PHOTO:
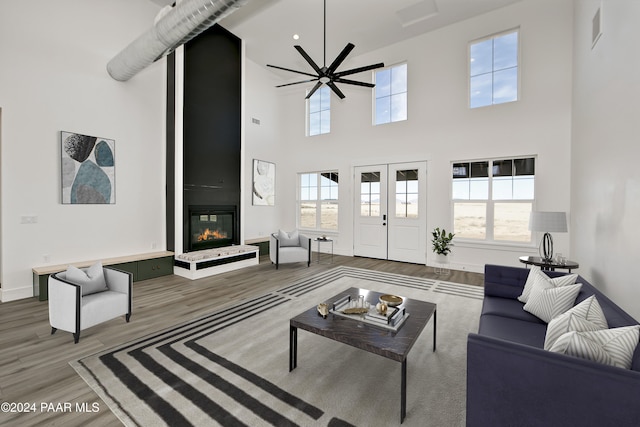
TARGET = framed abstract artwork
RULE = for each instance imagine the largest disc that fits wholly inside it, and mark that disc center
(88, 169)
(264, 183)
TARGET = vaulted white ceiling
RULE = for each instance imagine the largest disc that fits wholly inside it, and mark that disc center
(268, 26)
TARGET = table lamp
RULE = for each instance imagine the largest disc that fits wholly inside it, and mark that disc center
(547, 222)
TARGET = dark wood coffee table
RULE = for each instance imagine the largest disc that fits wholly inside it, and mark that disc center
(371, 338)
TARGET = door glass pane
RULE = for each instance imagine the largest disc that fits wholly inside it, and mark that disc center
(470, 220)
(407, 193)
(511, 222)
(370, 194)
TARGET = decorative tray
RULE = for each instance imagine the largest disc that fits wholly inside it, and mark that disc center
(392, 320)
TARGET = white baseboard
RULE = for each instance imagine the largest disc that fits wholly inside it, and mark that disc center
(7, 295)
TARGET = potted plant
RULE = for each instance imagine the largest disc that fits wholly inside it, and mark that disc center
(441, 244)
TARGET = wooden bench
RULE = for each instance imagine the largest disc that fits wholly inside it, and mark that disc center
(261, 242)
(142, 266)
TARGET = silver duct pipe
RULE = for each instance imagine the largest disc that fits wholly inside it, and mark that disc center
(173, 27)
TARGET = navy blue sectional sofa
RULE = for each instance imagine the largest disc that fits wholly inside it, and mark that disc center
(513, 381)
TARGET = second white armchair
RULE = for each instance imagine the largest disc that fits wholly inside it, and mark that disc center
(289, 247)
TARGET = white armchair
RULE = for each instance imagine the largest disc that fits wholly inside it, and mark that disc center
(76, 304)
(289, 247)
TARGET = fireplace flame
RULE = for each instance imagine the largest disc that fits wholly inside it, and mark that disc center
(211, 235)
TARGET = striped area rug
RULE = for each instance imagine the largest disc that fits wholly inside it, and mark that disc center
(230, 367)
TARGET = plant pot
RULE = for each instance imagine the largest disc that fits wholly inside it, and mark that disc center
(442, 259)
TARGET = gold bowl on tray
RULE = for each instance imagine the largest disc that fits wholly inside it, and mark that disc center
(391, 300)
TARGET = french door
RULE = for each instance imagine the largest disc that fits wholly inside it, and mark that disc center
(390, 214)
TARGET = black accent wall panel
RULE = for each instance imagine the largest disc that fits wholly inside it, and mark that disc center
(212, 122)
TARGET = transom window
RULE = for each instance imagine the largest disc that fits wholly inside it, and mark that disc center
(391, 94)
(492, 199)
(319, 108)
(493, 70)
(318, 206)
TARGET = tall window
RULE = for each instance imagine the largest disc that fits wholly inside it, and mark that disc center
(318, 208)
(492, 199)
(391, 94)
(493, 70)
(319, 108)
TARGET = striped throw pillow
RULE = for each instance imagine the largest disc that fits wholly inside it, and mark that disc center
(537, 274)
(548, 300)
(613, 347)
(586, 316)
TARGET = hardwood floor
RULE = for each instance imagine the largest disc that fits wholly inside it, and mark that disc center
(34, 365)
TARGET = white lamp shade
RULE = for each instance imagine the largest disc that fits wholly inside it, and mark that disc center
(548, 221)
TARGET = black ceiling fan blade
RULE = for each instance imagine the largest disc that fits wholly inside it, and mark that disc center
(340, 58)
(313, 90)
(293, 71)
(353, 82)
(359, 70)
(308, 59)
(335, 89)
(297, 83)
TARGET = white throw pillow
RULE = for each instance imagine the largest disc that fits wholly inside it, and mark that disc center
(548, 300)
(526, 291)
(288, 239)
(586, 316)
(90, 279)
(566, 322)
(568, 279)
(613, 347)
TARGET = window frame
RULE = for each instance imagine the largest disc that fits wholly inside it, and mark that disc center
(490, 201)
(391, 95)
(493, 71)
(319, 201)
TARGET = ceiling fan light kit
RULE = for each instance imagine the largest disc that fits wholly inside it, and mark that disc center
(328, 75)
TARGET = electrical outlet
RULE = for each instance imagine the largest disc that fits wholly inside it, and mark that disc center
(154, 245)
(46, 257)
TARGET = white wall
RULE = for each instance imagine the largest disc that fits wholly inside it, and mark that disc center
(262, 141)
(441, 128)
(53, 77)
(605, 149)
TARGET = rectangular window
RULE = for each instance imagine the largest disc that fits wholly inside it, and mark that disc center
(370, 194)
(493, 70)
(319, 108)
(492, 199)
(318, 206)
(390, 94)
(407, 193)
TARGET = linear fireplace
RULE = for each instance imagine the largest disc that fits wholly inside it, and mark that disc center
(212, 227)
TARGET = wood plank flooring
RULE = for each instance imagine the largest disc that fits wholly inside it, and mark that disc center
(34, 365)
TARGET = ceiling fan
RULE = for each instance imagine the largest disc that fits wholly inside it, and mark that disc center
(328, 75)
